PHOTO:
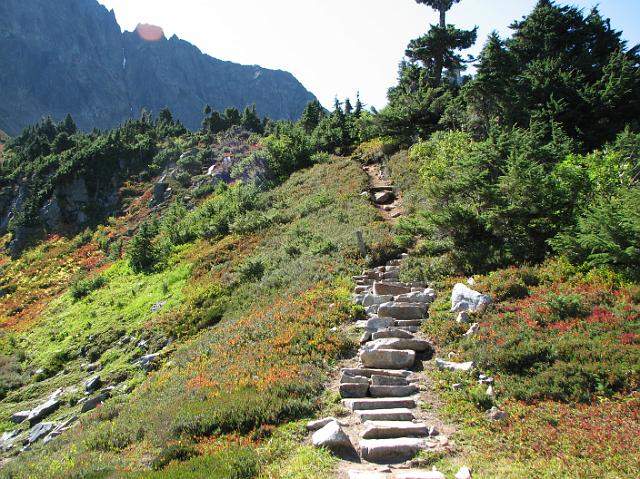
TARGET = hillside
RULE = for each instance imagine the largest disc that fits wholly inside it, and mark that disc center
(71, 57)
(447, 288)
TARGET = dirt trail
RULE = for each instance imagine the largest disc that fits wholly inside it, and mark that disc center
(379, 183)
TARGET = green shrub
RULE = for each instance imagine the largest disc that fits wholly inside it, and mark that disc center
(174, 452)
(83, 287)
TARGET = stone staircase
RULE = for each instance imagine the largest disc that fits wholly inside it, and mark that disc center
(387, 428)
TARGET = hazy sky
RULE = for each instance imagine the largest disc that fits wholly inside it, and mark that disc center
(334, 47)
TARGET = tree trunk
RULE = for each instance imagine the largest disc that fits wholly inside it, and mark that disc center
(443, 17)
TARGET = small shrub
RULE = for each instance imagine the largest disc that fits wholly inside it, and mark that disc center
(83, 287)
(175, 452)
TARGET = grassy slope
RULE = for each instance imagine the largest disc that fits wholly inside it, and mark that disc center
(564, 348)
(227, 388)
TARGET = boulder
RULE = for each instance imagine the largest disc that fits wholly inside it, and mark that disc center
(383, 197)
(36, 415)
(495, 414)
(463, 473)
(366, 336)
(451, 366)
(464, 298)
(60, 428)
(390, 289)
(94, 402)
(333, 438)
(20, 416)
(374, 323)
(416, 297)
(475, 327)
(388, 358)
(93, 384)
(371, 299)
(8, 439)
(392, 333)
(148, 362)
(399, 343)
(320, 423)
(402, 311)
(39, 431)
(463, 317)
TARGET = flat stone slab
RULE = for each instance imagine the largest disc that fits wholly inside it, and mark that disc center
(410, 329)
(395, 414)
(426, 296)
(376, 323)
(419, 345)
(393, 391)
(420, 474)
(378, 403)
(404, 323)
(354, 390)
(390, 450)
(396, 310)
(368, 372)
(451, 366)
(389, 288)
(392, 333)
(371, 299)
(388, 358)
(355, 379)
(42, 411)
(394, 429)
(366, 475)
(377, 380)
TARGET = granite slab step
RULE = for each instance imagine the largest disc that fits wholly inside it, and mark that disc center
(378, 403)
(394, 429)
(388, 451)
(394, 414)
(393, 391)
(368, 372)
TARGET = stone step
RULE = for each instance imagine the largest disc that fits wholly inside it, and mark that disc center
(419, 345)
(354, 390)
(420, 474)
(396, 414)
(375, 323)
(392, 391)
(368, 372)
(387, 451)
(378, 380)
(402, 311)
(403, 323)
(392, 333)
(394, 429)
(388, 358)
(361, 289)
(378, 403)
(410, 329)
(366, 475)
(353, 379)
(394, 262)
(390, 288)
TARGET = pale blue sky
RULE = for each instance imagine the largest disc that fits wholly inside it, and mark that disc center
(334, 47)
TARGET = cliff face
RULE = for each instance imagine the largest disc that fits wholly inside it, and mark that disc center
(69, 56)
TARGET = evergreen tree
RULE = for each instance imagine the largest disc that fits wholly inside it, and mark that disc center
(250, 120)
(348, 108)
(232, 117)
(68, 125)
(437, 49)
(141, 251)
(311, 116)
(359, 106)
